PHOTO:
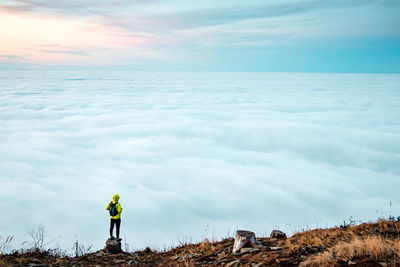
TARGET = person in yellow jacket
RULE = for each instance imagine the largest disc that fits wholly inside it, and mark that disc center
(114, 207)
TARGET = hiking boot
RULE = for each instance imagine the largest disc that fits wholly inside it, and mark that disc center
(119, 239)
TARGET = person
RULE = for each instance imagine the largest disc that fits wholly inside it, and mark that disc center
(116, 219)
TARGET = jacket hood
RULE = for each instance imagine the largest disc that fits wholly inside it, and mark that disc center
(115, 198)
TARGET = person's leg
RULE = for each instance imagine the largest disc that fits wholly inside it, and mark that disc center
(111, 227)
(118, 222)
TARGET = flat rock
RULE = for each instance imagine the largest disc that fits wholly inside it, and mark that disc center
(245, 250)
(249, 250)
(275, 248)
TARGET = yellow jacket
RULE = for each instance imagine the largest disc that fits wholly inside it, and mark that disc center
(119, 209)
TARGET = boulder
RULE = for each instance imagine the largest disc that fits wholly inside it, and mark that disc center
(244, 239)
(278, 234)
(113, 246)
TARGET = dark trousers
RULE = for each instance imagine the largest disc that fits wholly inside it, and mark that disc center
(118, 223)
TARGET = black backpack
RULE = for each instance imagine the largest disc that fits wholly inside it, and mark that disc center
(113, 209)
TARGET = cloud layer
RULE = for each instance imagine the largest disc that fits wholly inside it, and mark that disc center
(195, 155)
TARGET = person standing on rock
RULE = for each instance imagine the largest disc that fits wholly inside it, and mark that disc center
(115, 213)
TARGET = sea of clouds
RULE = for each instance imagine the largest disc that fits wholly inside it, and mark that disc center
(194, 155)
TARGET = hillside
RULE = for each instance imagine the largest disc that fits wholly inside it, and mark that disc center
(367, 244)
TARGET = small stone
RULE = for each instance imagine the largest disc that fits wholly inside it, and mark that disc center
(119, 261)
(255, 264)
(383, 263)
(245, 250)
(263, 256)
(249, 250)
(313, 249)
(131, 262)
(351, 263)
(275, 248)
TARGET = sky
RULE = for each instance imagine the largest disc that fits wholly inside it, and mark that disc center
(195, 155)
(253, 35)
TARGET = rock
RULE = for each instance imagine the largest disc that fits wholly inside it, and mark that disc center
(313, 249)
(255, 264)
(233, 263)
(351, 263)
(383, 264)
(277, 234)
(249, 250)
(245, 250)
(243, 239)
(113, 246)
(275, 248)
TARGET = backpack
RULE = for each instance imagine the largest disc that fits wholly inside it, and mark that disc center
(113, 209)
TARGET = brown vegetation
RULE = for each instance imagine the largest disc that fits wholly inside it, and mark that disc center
(367, 244)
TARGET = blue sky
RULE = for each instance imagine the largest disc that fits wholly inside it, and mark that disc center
(303, 36)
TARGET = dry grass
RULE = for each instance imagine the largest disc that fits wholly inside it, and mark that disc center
(204, 246)
(372, 246)
(333, 236)
(319, 238)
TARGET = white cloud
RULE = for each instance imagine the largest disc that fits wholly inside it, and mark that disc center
(187, 150)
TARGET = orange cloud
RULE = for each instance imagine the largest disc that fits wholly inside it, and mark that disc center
(47, 39)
